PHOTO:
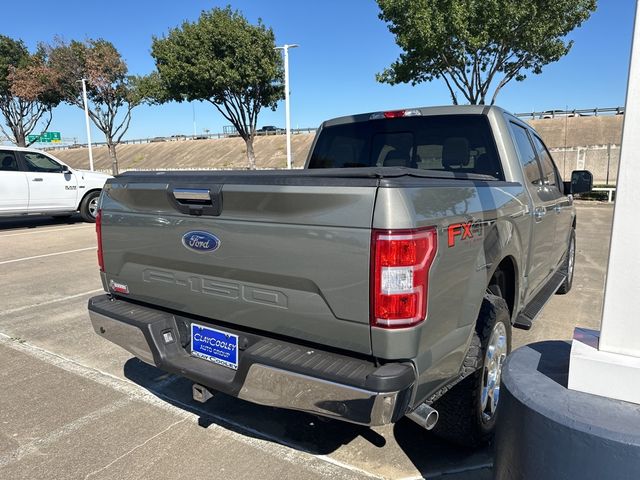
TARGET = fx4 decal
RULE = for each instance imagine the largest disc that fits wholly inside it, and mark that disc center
(463, 231)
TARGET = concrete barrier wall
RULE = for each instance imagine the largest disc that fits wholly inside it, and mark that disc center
(579, 131)
(584, 143)
(601, 160)
(215, 153)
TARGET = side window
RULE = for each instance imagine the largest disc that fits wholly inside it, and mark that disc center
(527, 154)
(37, 162)
(8, 161)
(549, 175)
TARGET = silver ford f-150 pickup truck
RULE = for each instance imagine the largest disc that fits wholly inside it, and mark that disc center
(382, 280)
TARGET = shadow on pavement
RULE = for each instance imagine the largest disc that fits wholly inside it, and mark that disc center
(295, 429)
(430, 456)
(434, 457)
(35, 221)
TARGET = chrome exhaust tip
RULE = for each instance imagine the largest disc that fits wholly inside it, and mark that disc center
(425, 416)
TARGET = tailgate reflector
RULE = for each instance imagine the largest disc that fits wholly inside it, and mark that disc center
(99, 235)
(400, 263)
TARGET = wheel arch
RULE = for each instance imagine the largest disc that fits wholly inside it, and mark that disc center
(88, 192)
(505, 275)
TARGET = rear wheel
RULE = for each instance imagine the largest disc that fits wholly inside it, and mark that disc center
(469, 410)
(89, 207)
(568, 265)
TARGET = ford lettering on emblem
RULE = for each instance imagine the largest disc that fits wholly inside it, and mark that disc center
(201, 242)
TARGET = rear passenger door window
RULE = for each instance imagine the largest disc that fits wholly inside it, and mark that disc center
(8, 161)
(549, 171)
(527, 155)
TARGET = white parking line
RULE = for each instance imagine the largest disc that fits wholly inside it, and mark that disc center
(57, 300)
(47, 255)
(45, 230)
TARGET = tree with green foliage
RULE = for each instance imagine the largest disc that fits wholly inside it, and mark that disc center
(474, 44)
(28, 91)
(112, 94)
(223, 59)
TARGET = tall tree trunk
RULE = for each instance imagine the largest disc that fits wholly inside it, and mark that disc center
(21, 139)
(251, 158)
(114, 157)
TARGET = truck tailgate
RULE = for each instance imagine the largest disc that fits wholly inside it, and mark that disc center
(293, 255)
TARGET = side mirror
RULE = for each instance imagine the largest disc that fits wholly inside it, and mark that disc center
(581, 182)
(65, 169)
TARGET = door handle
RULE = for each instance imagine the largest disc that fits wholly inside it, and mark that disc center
(557, 208)
(37, 179)
(538, 213)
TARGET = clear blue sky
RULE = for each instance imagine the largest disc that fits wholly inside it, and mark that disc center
(342, 45)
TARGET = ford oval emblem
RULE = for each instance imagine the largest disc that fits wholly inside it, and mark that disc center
(201, 242)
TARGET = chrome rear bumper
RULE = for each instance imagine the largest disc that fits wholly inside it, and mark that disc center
(278, 388)
(255, 382)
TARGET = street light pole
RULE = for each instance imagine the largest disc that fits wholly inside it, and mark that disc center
(286, 48)
(195, 130)
(86, 118)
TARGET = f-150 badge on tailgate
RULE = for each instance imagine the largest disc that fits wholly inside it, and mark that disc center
(201, 242)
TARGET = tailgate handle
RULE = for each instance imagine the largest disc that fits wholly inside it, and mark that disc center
(197, 201)
(192, 195)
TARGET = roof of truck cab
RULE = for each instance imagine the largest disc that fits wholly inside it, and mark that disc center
(425, 111)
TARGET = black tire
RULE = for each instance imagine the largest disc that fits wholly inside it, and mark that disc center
(568, 265)
(463, 420)
(88, 207)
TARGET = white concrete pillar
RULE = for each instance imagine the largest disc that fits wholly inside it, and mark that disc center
(607, 363)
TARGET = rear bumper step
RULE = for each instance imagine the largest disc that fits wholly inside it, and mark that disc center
(270, 372)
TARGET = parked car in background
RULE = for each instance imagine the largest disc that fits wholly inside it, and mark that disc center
(269, 130)
(559, 114)
(36, 182)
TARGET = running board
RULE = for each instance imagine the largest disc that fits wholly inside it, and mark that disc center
(535, 306)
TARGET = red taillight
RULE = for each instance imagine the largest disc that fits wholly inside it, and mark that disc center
(400, 263)
(99, 235)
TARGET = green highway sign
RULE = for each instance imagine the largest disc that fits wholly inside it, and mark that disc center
(46, 137)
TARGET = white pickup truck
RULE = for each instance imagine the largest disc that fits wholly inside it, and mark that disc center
(35, 182)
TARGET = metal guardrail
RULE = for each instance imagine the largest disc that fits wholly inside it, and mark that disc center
(193, 169)
(610, 191)
(589, 112)
(179, 138)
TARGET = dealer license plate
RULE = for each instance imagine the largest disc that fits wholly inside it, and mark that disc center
(214, 345)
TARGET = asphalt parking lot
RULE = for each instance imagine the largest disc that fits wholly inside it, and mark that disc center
(75, 406)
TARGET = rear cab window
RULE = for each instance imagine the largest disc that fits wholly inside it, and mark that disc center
(456, 143)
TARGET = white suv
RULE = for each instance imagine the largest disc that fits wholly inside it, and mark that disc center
(35, 182)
